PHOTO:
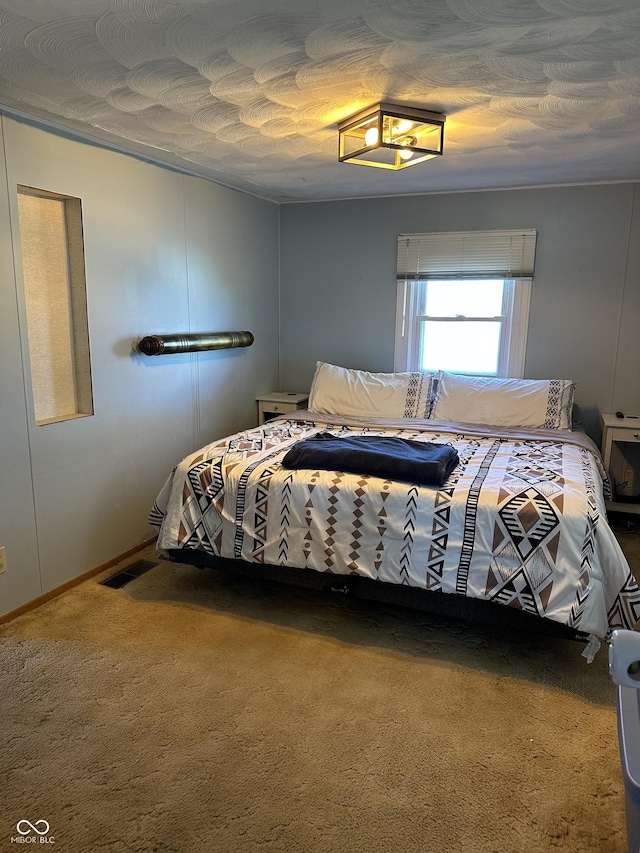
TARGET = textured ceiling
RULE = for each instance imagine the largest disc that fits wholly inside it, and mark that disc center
(249, 92)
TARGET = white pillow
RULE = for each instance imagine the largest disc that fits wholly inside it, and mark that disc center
(344, 391)
(539, 403)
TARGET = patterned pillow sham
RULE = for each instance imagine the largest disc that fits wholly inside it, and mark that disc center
(537, 403)
(345, 391)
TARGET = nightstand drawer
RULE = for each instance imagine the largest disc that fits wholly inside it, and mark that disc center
(619, 434)
(278, 408)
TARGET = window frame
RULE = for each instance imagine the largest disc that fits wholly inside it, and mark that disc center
(513, 337)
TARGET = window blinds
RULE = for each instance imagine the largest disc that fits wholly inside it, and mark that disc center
(466, 254)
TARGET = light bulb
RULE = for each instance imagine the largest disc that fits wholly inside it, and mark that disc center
(371, 136)
(406, 154)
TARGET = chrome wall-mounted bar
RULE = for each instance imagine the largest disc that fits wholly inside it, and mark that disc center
(196, 342)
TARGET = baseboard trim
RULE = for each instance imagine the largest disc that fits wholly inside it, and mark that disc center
(53, 593)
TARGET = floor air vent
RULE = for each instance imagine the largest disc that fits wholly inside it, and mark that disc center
(129, 573)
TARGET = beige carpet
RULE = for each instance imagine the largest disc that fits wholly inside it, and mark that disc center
(190, 711)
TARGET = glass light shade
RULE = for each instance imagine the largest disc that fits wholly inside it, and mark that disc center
(391, 137)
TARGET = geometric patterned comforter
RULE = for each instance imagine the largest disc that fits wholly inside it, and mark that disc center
(520, 521)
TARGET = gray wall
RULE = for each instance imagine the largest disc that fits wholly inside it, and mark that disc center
(167, 253)
(337, 283)
(164, 253)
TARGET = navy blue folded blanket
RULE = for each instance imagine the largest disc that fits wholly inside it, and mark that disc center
(391, 458)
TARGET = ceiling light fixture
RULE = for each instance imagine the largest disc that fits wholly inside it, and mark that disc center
(391, 137)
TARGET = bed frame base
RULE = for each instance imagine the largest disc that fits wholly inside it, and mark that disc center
(429, 601)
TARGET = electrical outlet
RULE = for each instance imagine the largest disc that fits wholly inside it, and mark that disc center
(3, 560)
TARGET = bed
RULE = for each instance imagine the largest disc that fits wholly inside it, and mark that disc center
(515, 529)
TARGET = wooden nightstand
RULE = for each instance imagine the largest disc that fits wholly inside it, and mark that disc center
(618, 431)
(278, 402)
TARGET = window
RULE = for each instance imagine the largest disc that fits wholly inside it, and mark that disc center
(464, 326)
(55, 304)
(463, 302)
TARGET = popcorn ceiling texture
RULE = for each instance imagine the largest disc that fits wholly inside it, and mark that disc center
(250, 92)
